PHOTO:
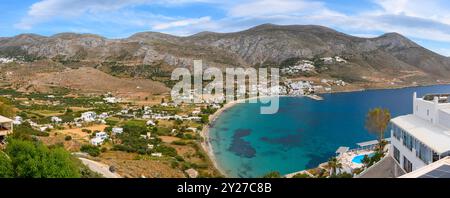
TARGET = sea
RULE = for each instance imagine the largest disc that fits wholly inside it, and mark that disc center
(304, 132)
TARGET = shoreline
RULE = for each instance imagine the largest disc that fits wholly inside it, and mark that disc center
(206, 144)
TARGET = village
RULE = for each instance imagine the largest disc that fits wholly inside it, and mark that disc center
(296, 83)
(160, 140)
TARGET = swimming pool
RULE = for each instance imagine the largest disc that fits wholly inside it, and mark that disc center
(358, 159)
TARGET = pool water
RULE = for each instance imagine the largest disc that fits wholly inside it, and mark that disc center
(358, 159)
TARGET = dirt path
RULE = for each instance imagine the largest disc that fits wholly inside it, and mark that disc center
(100, 168)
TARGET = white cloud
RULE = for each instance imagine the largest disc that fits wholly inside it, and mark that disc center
(181, 23)
(437, 10)
(46, 10)
(417, 19)
(265, 8)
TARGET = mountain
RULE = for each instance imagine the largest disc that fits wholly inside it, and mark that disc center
(390, 56)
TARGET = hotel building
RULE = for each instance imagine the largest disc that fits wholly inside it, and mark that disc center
(422, 137)
(6, 127)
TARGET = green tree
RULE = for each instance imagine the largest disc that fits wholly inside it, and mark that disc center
(35, 160)
(334, 165)
(273, 174)
(342, 175)
(205, 119)
(6, 169)
(92, 150)
(377, 121)
(301, 176)
(5, 108)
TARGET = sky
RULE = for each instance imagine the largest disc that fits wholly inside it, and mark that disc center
(425, 22)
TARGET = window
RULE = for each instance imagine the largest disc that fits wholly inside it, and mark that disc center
(396, 154)
(428, 112)
(422, 151)
(407, 165)
(407, 141)
(436, 157)
(397, 133)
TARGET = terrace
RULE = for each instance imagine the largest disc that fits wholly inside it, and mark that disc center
(352, 159)
(442, 98)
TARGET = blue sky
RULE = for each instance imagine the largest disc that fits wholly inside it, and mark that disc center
(425, 22)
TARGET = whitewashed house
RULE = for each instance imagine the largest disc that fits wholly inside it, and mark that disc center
(150, 123)
(156, 154)
(55, 119)
(97, 141)
(193, 129)
(6, 128)
(89, 116)
(196, 112)
(17, 120)
(102, 135)
(99, 138)
(423, 137)
(111, 100)
(117, 130)
(103, 115)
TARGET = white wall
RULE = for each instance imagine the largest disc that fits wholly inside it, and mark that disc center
(444, 119)
(410, 155)
(425, 110)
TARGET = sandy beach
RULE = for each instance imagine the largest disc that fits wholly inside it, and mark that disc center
(205, 134)
(206, 144)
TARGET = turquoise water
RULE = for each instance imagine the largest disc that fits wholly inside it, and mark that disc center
(358, 159)
(304, 133)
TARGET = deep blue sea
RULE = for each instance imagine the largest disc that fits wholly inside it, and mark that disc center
(304, 132)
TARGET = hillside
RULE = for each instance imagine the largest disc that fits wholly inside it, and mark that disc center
(389, 58)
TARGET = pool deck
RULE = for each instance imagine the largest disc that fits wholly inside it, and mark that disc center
(346, 159)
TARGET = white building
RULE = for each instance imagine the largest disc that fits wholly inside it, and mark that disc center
(117, 130)
(423, 137)
(439, 169)
(111, 100)
(99, 138)
(150, 123)
(156, 154)
(97, 141)
(6, 128)
(7, 60)
(89, 116)
(193, 129)
(17, 120)
(102, 135)
(55, 119)
(103, 115)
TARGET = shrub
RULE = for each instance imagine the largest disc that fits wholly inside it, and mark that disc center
(273, 174)
(68, 138)
(112, 169)
(24, 131)
(301, 175)
(179, 158)
(86, 130)
(35, 160)
(92, 150)
(166, 150)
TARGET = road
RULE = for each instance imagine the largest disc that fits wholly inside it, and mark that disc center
(100, 168)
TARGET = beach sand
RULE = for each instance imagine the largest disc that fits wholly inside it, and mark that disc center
(206, 144)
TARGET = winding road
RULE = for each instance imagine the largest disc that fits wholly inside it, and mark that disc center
(100, 168)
